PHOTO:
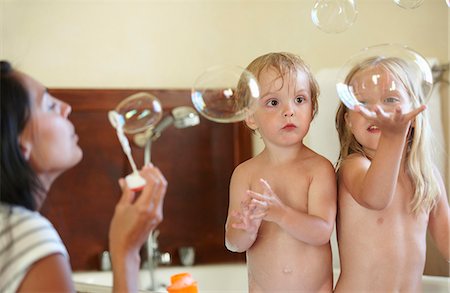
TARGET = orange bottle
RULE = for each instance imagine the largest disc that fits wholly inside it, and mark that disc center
(182, 283)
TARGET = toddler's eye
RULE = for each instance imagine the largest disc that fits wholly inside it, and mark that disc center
(300, 99)
(272, 102)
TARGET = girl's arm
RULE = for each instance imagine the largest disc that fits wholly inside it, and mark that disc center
(439, 223)
(373, 184)
(316, 225)
(240, 230)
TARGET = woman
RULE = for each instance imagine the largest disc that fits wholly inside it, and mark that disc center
(38, 144)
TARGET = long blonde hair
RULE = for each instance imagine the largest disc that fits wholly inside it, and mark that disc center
(419, 150)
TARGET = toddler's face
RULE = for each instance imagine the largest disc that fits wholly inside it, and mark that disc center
(284, 112)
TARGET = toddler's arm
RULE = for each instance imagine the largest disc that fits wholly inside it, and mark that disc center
(373, 183)
(316, 225)
(439, 223)
(244, 218)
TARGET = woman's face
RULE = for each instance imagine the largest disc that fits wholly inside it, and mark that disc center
(49, 141)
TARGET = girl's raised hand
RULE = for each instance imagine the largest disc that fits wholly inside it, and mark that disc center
(395, 123)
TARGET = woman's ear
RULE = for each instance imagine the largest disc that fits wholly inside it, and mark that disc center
(25, 147)
(250, 121)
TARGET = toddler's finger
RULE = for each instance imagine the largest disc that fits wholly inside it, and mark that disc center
(266, 186)
(254, 195)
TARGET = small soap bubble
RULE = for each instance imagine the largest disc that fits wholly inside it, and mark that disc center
(334, 16)
(138, 112)
(448, 2)
(225, 94)
(409, 4)
(387, 76)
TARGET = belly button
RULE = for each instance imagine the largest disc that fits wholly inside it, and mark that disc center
(287, 270)
(380, 221)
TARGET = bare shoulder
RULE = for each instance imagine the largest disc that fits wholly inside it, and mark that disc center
(318, 162)
(249, 166)
(353, 161)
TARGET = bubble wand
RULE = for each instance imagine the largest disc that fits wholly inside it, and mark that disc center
(134, 180)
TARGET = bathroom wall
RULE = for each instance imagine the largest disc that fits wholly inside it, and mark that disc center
(168, 43)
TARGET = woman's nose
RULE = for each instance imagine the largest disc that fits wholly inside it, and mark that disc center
(66, 109)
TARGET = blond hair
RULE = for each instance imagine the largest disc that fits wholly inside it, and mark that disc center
(284, 63)
(419, 163)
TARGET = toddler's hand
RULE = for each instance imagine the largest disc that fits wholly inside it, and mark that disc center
(249, 218)
(268, 202)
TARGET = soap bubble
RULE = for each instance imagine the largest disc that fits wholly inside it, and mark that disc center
(388, 76)
(408, 4)
(137, 113)
(225, 94)
(448, 2)
(334, 16)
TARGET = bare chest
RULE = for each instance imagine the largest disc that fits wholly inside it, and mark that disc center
(291, 185)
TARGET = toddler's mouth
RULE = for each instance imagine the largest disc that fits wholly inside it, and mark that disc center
(289, 126)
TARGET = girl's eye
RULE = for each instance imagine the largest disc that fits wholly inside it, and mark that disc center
(272, 103)
(391, 100)
(299, 99)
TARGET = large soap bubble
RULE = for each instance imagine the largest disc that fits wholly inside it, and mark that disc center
(408, 4)
(137, 113)
(388, 76)
(225, 94)
(334, 16)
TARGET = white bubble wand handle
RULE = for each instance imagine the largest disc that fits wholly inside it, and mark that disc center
(134, 180)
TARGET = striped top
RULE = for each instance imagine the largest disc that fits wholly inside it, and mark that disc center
(25, 237)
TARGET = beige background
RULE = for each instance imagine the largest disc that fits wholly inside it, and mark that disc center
(167, 44)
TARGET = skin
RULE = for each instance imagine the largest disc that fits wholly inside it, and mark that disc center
(382, 244)
(49, 143)
(283, 201)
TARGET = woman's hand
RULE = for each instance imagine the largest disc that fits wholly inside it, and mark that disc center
(134, 218)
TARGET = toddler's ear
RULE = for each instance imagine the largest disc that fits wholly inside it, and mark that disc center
(25, 148)
(250, 121)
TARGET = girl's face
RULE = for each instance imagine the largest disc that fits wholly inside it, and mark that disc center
(375, 86)
(49, 141)
(284, 112)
